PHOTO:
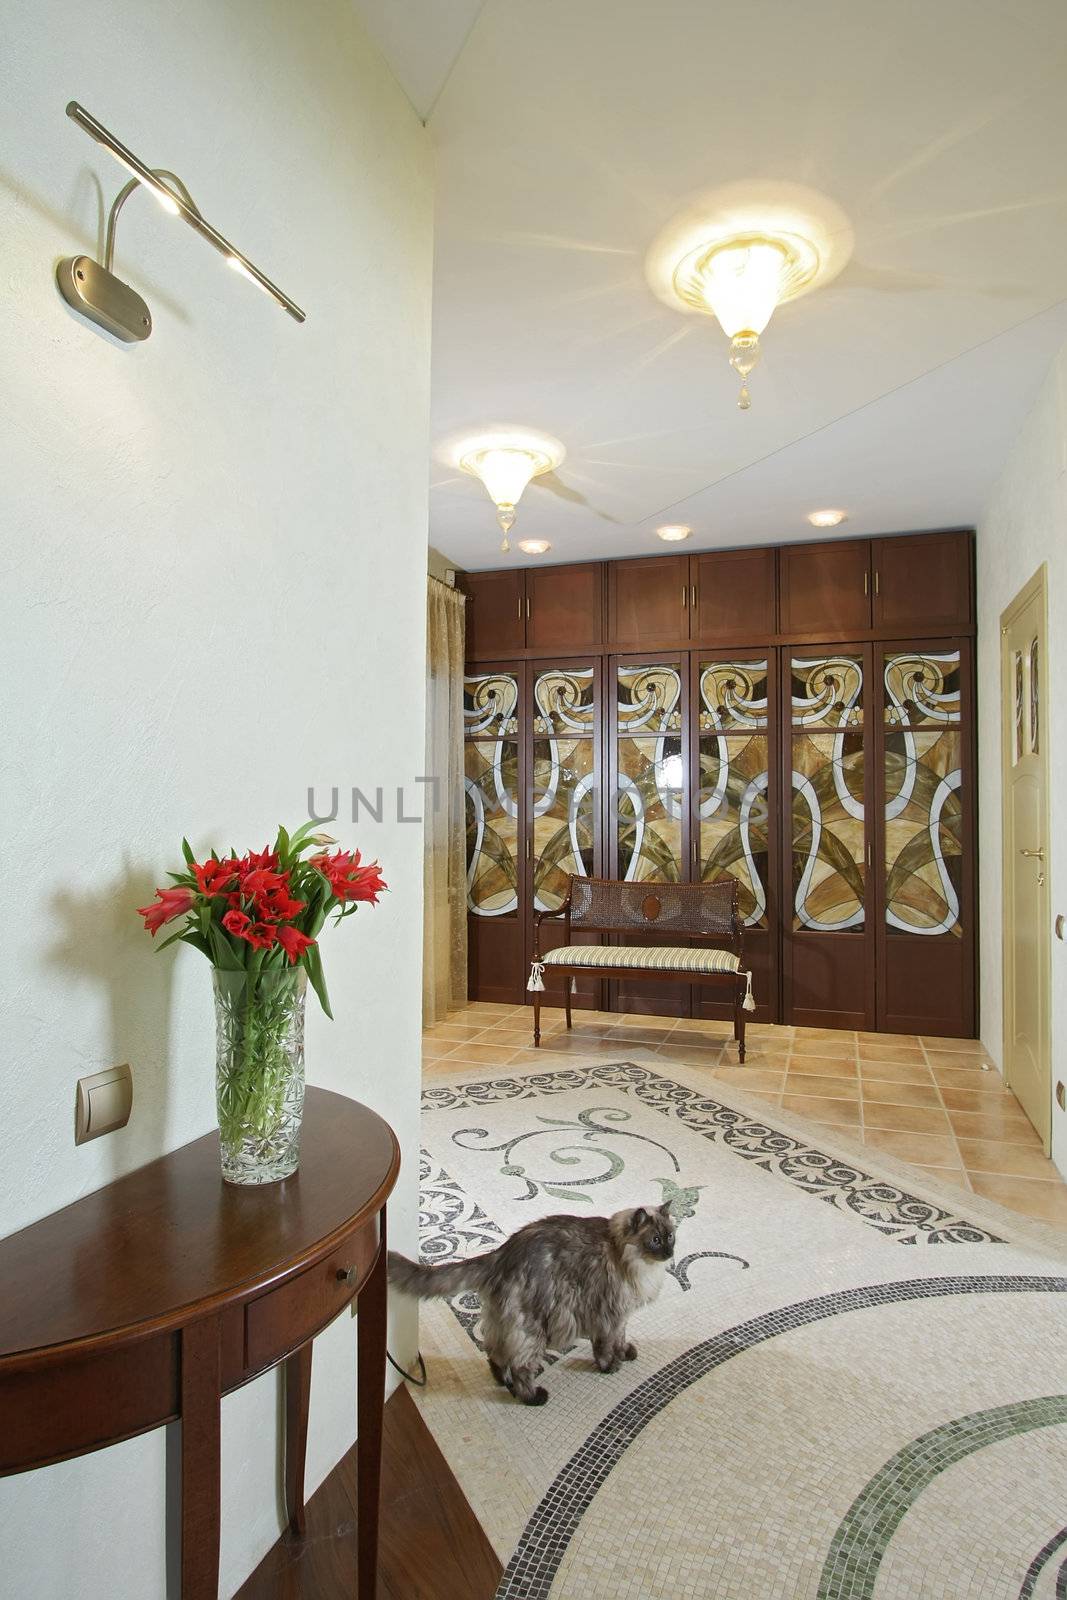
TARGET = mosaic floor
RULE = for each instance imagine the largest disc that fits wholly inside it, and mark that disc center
(936, 1103)
(852, 1385)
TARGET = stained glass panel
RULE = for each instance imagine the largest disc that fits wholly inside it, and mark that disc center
(922, 690)
(1035, 701)
(491, 785)
(827, 692)
(649, 799)
(828, 832)
(923, 831)
(649, 699)
(1019, 704)
(733, 695)
(564, 816)
(733, 816)
(490, 704)
(563, 702)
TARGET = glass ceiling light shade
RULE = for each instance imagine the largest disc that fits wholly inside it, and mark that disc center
(505, 462)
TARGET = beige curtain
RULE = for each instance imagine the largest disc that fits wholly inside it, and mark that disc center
(444, 938)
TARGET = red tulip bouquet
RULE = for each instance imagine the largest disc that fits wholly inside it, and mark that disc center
(257, 918)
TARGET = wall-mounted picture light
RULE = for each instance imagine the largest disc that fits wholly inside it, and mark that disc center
(93, 289)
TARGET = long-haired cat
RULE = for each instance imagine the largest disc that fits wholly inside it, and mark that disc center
(555, 1281)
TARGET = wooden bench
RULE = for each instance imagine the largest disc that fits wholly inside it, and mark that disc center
(707, 912)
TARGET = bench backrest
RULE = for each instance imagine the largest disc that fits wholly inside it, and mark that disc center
(695, 910)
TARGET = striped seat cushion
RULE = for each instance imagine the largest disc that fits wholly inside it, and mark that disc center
(647, 958)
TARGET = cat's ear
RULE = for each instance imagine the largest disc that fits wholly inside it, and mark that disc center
(666, 1208)
(639, 1218)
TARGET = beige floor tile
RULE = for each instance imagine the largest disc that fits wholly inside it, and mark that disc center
(900, 1094)
(485, 1055)
(645, 1019)
(1008, 1123)
(922, 1149)
(905, 1119)
(692, 1058)
(957, 1059)
(909, 1040)
(824, 1066)
(821, 1109)
(755, 1057)
(970, 1100)
(764, 1079)
(769, 1030)
(713, 1029)
(969, 1078)
(454, 1030)
(771, 1096)
(891, 1052)
(1032, 1196)
(640, 1035)
(971, 1046)
(960, 1179)
(845, 1035)
(1009, 1160)
(833, 1046)
(818, 1083)
(698, 1041)
(434, 1049)
(895, 1072)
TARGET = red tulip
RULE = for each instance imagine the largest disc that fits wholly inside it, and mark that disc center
(171, 903)
(215, 877)
(293, 942)
(348, 880)
(236, 922)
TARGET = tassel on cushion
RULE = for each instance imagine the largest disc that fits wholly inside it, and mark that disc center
(537, 975)
(748, 1003)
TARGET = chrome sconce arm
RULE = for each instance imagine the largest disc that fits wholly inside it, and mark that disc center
(92, 288)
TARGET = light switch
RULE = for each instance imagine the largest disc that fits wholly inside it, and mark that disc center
(105, 1100)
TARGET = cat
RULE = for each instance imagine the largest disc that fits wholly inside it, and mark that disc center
(555, 1281)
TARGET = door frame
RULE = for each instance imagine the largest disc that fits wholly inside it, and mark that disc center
(1036, 588)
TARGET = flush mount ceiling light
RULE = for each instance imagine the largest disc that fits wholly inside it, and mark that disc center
(741, 251)
(827, 519)
(92, 288)
(505, 461)
(535, 547)
(673, 533)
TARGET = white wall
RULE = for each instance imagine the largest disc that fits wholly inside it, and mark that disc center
(1025, 524)
(214, 596)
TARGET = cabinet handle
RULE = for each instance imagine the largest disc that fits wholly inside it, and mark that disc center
(520, 608)
(866, 583)
(877, 582)
(527, 608)
(693, 595)
(527, 849)
(346, 1274)
(685, 593)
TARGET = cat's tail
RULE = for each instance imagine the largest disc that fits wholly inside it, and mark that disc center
(435, 1283)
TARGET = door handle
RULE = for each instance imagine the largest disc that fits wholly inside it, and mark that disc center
(693, 595)
(685, 595)
(1038, 854)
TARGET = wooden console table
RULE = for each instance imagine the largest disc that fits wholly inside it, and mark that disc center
(146, 1302)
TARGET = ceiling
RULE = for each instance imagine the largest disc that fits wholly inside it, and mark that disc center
(567, 135)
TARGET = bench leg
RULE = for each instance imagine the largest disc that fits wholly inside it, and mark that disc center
(537, 1018)
(739, 1020)
(567, 1001)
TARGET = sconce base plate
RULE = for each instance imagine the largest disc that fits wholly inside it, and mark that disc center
(97, 294)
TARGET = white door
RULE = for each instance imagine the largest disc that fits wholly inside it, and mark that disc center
(1027, 1064)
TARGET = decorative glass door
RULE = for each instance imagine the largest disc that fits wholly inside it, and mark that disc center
(649, 772)
(829, 977)
(925, 937)
(494, 780)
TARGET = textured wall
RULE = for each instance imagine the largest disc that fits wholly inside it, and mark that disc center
(1025, 524)
(214, 596)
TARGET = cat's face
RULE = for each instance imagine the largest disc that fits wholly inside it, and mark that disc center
(654, 1232)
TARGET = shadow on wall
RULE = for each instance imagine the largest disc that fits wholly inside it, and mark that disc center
(102, 940)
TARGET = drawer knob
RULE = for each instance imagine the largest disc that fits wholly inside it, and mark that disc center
(346, 1274)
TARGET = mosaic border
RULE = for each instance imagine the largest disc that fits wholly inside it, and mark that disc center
(532, 1569)
(901, 1216)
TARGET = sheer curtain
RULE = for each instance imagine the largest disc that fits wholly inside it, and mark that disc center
(444, 937)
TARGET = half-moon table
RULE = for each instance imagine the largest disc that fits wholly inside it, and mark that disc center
(147, 1301)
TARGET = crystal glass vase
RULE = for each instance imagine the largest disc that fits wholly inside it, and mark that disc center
(259, 1043)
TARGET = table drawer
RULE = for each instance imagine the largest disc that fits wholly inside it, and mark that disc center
(284, 1318)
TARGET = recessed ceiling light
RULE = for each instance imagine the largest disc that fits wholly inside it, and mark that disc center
(673, 533)
(534, 547)
(827, 519)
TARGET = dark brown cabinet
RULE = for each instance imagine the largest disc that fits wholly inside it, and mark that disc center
(825, 589)
(923, 583)
(732, 596)
(648, 602)
(564, 607)
(496, 612)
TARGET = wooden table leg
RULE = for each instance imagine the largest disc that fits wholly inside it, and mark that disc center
(297, 1399)
(201, 1383)
(371, 1318)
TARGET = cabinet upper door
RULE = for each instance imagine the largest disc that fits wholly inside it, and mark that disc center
(922, 583)
(734, 596)
(825, 589)
(496, 612)
(648, 602)
(564, 607)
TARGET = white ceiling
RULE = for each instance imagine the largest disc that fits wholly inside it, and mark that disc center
(567, 134)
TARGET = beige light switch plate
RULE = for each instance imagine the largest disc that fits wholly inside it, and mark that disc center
(105, 1100)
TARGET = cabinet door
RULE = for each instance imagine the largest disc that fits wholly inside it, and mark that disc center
(565, 799)
(496, 612)
(564, 608)
(734, 807)
(925, 901)
(827, 948)
(648, 602)
(494, 791)
(649, 758)
(825, 589)
(732, 599)
(922, 583)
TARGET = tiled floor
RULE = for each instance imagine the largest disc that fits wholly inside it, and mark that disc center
(935, 1103)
